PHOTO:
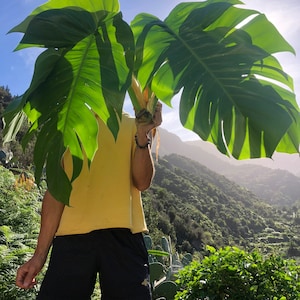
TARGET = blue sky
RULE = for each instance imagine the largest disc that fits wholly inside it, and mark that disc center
(17, 67)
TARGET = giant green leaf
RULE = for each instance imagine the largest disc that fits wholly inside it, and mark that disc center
(221, 72)
(75, 80)
(32, 22)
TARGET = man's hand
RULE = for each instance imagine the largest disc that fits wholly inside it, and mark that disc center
(26, 273)
(155, 121)
(157, 117)
(144, 128)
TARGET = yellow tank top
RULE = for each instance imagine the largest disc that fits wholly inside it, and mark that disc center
(103, 195)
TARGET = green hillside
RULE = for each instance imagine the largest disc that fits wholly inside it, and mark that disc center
(277, 187)
(196, 206)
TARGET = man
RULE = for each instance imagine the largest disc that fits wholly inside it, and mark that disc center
(101, 231)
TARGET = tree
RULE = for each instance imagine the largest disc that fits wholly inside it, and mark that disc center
(5, 99)
(234, 92)
(13, 154)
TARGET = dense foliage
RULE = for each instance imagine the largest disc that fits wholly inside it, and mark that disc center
(198, 207)
(19, 224)
(231, 273)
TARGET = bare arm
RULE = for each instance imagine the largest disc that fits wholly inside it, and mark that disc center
(142, 165)
(50, 218)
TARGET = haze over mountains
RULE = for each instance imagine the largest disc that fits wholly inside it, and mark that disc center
(277, 180)
(207, 154)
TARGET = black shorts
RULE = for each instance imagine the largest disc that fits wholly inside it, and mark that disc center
(118, 256)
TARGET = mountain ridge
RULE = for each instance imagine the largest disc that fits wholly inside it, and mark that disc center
(284, 161)
(257, 175)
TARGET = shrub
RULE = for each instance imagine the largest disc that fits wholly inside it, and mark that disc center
(19, 224)
(13, 252)
(231, 273)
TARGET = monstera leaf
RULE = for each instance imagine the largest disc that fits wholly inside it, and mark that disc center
(223, 74)
(85, 71)
(216, 56)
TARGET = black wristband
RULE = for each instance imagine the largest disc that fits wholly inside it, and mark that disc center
(140, 146)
